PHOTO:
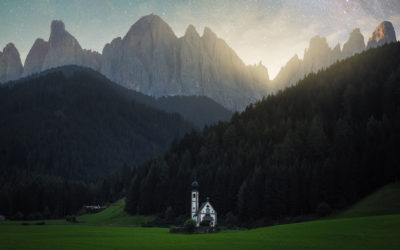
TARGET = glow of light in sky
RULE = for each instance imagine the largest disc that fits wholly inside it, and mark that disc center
(271, 31)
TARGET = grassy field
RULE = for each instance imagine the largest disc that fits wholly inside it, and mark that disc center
(385, 200)
(114, 215)
(374, 232)
(114, 229)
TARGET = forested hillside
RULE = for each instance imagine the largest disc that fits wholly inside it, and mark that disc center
(73, 125)
(79, 127)
(327, 141)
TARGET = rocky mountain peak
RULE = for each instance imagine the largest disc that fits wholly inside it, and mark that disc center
(39, 42)
(57, 26)
(149, 25)
(10, 49)
(383, 34)
(318, 54)
(356, 37)
(318, 43)
(355, 44)
(57, 31)
(191, 32)
(10, 63)
(355, 34)
(35, 57)
(336, 54)
(63, 48)
(208, 34)
(336, 48)
(295, 58)
(114, 44)
(259, 73)
(289, 74)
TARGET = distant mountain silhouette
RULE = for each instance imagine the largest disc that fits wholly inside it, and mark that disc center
(320, 56)
(383, 34)
(10, 63)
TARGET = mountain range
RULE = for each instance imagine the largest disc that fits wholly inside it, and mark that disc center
(319, 55)
(151, 59)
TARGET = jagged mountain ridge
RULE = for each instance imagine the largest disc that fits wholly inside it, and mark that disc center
(383, 34)
(10, 63)
(319, 55)
(151, 59)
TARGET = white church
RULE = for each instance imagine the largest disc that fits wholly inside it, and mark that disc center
(206, 213)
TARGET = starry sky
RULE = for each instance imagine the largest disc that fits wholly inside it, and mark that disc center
(271, 31)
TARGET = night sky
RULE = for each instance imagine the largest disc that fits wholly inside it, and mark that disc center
(264, 30)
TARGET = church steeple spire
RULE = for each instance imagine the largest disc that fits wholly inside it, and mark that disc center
(195, 201)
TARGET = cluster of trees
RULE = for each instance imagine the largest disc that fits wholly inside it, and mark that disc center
(38, 196)
(44, 197)
(322, 144)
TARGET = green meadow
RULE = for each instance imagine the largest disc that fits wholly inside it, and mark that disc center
(374, 232)
(385, 200)
(114, 215)
(356, 228)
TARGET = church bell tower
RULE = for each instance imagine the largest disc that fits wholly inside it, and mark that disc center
(195, 201)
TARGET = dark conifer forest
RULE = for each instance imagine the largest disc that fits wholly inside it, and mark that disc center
(63, 130)
(326, 142)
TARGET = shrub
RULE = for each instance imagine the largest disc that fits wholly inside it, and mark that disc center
(71, 218)
(19, 216)
(323, 209)
(46, 213)
(174, 229)
(35, 216)
(180, 219)
(230, 219)
(189, 225)
(205, 223)
(169, 214)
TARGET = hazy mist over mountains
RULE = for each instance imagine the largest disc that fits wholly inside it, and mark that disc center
(151, 59)
(319, 55)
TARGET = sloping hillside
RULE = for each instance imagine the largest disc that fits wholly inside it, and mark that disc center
(332, 139)
(385, 200)
(78, 125)
(114, 215)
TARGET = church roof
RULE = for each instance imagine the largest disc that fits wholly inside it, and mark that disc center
(204, 204)
(195, 184)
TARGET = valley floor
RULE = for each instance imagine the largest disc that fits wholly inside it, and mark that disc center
(373, 232)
